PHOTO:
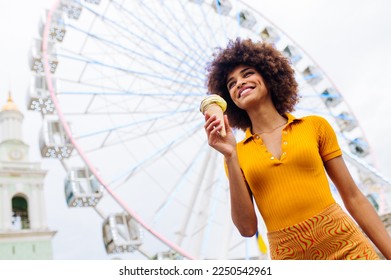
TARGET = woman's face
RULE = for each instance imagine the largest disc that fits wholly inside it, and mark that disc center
(247, 87)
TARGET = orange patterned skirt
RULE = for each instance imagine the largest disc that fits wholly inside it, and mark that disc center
(330, 235)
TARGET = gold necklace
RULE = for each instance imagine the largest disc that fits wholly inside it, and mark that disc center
(270, 131)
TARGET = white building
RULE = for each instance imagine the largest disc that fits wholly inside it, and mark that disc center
(24, 232)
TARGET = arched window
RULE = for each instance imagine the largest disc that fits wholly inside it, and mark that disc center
(20, 217)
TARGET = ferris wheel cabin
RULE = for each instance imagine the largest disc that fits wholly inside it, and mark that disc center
(82, 189)
(121, 233)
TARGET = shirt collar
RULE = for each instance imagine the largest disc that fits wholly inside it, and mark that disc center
(290, 117)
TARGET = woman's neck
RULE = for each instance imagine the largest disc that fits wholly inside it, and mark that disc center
(266, 119)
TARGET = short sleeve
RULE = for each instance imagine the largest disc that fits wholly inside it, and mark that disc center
(327, 141)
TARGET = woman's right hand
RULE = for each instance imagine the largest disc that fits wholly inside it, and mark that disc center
(225, 145)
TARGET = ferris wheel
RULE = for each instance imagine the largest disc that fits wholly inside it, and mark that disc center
(119, 83)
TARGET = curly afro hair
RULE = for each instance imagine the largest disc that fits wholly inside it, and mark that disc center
(273, 66)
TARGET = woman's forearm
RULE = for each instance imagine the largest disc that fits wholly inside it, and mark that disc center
(242, 207)
(367, 218)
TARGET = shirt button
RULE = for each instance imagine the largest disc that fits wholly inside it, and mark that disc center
(284, 153)
(285, 143)
(271, 158)
(285, 132)
(257, 137)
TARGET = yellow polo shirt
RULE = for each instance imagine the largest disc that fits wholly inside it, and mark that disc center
(295, 187)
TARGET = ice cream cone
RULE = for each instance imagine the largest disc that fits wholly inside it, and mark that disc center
(215, 105)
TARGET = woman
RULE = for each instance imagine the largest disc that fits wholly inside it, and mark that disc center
(283, 160)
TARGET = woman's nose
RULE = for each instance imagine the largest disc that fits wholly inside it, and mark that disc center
(241, 83)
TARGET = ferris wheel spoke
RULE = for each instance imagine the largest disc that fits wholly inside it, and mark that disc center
(123, 70)
(185, 48)
(180, 184)
(131, 93)
(111, 103)
(163, 149)
(196, 30)
(157, 36)
(139, 123)
(119, 29)
(128, 51)
(129, 139)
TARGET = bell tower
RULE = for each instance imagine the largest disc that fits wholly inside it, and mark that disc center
(24, 233)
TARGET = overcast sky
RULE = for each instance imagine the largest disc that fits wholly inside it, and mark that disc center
(350, 40)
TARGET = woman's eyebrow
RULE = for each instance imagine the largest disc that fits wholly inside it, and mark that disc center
(241, 72)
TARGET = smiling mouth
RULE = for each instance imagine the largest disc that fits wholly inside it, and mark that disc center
(244, 91)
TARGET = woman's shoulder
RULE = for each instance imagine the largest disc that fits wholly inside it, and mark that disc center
(315, 120)
(319, 124)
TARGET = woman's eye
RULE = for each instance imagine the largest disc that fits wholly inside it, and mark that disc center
(230, 85)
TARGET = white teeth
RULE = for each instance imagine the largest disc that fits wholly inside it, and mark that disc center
(244, 91)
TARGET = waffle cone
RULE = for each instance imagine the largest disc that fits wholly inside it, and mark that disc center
(214, 109)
